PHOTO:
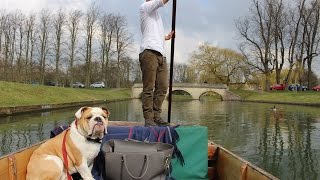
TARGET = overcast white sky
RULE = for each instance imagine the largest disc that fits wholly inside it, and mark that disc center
(197, 20)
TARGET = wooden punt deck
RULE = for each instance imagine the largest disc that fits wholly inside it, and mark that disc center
(222, 164)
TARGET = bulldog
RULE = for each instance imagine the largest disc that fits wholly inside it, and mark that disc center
(73, 150)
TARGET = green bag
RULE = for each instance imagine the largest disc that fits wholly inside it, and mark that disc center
(193, 145)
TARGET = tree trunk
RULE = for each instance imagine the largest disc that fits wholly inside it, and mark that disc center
(267, 81)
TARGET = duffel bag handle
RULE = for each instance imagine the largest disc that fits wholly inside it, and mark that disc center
(146, 159)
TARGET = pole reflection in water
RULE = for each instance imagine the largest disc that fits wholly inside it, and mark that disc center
(285, 142)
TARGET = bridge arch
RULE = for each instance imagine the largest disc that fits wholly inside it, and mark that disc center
(174, 92)
(195, 90)
(208, 92)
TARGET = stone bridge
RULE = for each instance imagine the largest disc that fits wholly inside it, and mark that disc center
(195, 90)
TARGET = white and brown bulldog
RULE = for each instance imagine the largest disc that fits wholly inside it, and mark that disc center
(81, 147)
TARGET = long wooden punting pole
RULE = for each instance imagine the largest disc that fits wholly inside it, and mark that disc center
(172, 57)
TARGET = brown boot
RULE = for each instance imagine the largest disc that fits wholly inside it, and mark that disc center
(149, 122)
(161, 122)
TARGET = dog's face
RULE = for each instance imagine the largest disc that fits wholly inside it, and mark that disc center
(93, 121)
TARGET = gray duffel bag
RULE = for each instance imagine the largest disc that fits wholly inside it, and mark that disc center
(135, 160)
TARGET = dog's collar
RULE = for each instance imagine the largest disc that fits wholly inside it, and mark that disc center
(94, 140)
(76, 122)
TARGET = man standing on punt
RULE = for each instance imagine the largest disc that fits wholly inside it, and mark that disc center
(153, 62)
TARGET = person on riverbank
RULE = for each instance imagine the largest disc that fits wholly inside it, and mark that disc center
(153, 62)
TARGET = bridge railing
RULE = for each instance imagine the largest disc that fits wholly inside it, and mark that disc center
(195, 85)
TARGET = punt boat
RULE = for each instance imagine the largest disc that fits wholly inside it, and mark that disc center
(222, 164)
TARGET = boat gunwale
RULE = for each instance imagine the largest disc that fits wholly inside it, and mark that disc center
(254, 167)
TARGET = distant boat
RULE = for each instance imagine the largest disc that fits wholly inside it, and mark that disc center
(221, 163)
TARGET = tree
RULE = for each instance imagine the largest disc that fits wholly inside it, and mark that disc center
(44, 28)
(3, 44)
(233, 69)
(275, 35)
(33, 47)
(91, 18)
(180, 72)
(21, 29)
(126, 67)
(294, 30)
(2, 26)
(191, 76)
(217, 65)
(29, 44)
(59, 22)
(278, 15)
(13, 18)
(73, 27)
(136, 71)
(256, 31)
(305, 79)
(123, 40)
(312, 37)
(107, 28)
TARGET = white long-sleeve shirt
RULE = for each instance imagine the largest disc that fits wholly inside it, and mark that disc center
(152, 27)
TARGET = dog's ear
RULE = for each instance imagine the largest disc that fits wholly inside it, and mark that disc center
(106, 110)
(78, 114)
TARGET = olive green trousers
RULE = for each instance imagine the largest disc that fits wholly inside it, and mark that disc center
(155, 82)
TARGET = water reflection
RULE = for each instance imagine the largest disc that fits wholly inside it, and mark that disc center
(20, 131)
(285, 142)
(286, 145)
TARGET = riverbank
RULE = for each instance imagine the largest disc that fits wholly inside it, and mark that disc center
(304, 98)
(20, 98)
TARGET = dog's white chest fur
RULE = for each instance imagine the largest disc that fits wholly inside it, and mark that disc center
(88, 149)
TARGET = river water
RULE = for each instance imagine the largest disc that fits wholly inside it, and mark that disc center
(285, 142)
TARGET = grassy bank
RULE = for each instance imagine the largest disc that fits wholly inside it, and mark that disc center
(17, 94)
(280, 96)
